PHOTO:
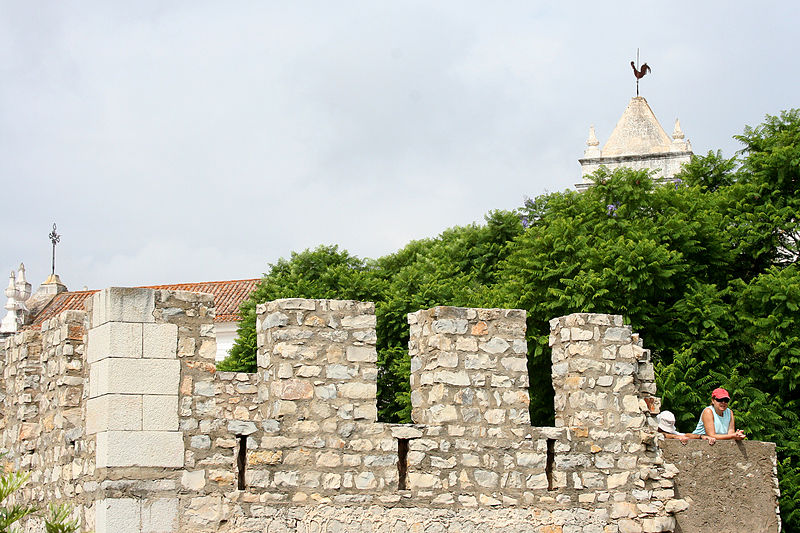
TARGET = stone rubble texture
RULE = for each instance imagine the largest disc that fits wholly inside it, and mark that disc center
(138, 431)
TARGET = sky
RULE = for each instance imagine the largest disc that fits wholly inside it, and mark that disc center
(195, 141)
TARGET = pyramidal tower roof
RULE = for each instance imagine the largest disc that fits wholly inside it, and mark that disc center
(637, 142)
(638, 132)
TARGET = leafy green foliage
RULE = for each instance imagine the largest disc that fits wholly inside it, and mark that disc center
(10, 482)
(706, 269)
(56, 522)
(325, 272)
(452, 269)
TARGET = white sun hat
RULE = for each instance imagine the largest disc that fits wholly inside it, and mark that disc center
(666, 422)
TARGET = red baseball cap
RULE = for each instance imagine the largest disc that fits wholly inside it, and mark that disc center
(720, 393)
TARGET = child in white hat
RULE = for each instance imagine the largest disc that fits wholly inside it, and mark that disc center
(666, 426)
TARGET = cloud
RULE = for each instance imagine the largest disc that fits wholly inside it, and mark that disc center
(196, 140)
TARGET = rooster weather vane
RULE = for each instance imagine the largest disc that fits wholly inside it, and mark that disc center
(639, 72)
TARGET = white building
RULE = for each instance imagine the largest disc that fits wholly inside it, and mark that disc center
(638, 142)
(28, 311)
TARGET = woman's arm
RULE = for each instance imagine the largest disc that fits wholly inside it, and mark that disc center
(708, 423)
(732, 432)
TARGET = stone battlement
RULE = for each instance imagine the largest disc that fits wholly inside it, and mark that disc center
(120, 411)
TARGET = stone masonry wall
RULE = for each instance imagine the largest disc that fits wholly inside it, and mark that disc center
(604, 385)
(148, 352)
(165, 443)
(469, 370)
(44, 376)
(312, 443)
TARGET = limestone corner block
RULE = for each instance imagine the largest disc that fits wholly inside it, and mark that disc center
(160, 341)
(121, 304)
(134, 376)
(114, 412)
(118, 515)
(140, 448)
(160, 413)
(159, 515)
(129, 515)
(114, 339)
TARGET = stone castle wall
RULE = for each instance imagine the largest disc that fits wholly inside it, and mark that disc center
(141, 433)
(43, 416)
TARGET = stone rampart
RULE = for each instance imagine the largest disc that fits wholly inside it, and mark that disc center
(469, 371)
(141, 433)
(44, 376)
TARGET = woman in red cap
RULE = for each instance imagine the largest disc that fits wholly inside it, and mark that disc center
(716, 420)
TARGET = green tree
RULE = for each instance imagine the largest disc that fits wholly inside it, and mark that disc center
(325, 272)
(705, 268)
(454, 268)
(57, 521)
(625, 246)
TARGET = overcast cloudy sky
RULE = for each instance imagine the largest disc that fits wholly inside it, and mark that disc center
(195, 141)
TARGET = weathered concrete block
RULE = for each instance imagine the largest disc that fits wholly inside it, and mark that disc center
(121, 304)
(139, 448)
(160, 341)
(114, 339)
(134, 376)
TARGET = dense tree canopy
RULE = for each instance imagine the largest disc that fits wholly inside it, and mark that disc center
(706, 269)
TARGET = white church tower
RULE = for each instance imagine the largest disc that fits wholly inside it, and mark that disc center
(17, 293)
(638, 142)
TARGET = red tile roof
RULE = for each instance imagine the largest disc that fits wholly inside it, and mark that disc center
(228, 295)
(65, 301)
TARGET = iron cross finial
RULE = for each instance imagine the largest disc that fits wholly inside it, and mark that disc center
(54, 238)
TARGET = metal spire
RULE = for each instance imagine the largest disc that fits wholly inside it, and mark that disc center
(54, 238)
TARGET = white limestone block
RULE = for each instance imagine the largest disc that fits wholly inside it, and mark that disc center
(117, 515)
(160, 341)
(114, 412)
(140, 448)
(515, 364)
(194, 480)
(160, 515)
(360, 321)
(495, 345)
(121, 304)
(160, 413)
(365, 354)
(114, 339)
(405, 432)
(365, 391)
(419, 481)
(134, 376)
